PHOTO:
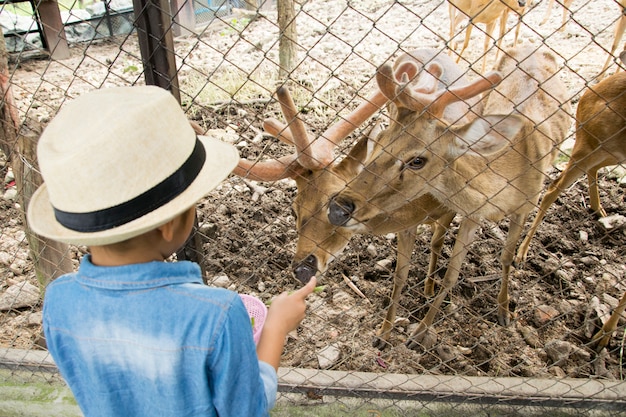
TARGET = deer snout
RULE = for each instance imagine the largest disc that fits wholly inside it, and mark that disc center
(305, 269)
(521, 3)
(340, 211)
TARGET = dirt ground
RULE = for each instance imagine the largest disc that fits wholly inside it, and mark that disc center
(575, 266)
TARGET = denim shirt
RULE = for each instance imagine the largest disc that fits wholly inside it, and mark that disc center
(152, 340)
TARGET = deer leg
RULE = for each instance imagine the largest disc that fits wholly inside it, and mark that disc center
(601, 339)
(488, 37)
(452, 14)
(594, 194)
(503, 18)
(546, 16)
(439, 229)
(566, 5)
(468, 33)
(516, 225)
(518, 27)
(406, 241)
(619, 32)
(571, 173)
(424, 335)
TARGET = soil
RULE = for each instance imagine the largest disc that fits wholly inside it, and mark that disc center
(575, 265)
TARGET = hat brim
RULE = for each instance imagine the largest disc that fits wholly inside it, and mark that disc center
(221, 159)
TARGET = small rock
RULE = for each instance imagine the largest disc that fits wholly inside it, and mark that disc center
(328, 356)
(209, 230)
(384, 265)
(343, 299)
(221, 281)
(562, 275)
(446, 353)
(371, 250)
(557, 371)
(35, 319)
(261, 286)
(10, 194)
(589, 260)
(543, 314)
(530, 335)
(583, 236)
(401, 321)
(559, 351)
(613, 221)
(19, 295)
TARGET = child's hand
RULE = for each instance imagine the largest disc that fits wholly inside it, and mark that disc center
(288, 309)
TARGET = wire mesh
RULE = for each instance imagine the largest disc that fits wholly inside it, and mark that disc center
(251, 236)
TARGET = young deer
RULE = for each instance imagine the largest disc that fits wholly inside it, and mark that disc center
(600, 141)
(320, 177)
(488, 12)
(490, 168)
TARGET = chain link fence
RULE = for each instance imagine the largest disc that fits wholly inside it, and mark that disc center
(252, 236)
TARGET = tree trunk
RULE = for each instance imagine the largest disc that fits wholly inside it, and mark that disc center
(288, 37)
(51, 258)
(8, 111)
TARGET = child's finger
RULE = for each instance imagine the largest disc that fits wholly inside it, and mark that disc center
(307, 289)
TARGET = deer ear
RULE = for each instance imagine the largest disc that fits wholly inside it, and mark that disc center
(486, 134)
(354, 162)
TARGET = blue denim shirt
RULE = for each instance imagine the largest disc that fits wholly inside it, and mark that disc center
(152, 340)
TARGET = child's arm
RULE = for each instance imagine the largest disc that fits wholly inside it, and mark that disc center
(285, 314)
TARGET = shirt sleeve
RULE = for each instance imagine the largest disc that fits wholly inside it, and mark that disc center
(237, 383)
(270, 382)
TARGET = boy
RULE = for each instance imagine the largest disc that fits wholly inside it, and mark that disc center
(131, 334)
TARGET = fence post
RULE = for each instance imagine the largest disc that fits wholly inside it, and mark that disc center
(288, 37)
(184, 17)
(153, 20)
(53, 29)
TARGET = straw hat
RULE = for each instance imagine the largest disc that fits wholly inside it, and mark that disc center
(119, 162)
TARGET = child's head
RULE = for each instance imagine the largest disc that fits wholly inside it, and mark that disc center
(120, 162)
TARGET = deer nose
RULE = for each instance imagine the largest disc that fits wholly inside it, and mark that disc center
(339, 211)
(306, 269)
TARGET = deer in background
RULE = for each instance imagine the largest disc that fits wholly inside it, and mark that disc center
(319, 177)
(600, 141)
(488, 12)
(617, 38)
(566, 7)
(490, 168)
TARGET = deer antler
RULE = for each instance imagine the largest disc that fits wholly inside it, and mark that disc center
(422, 94)
(311, 153)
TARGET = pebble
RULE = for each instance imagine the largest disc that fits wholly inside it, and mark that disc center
(384, 265)
(328, 356)
(221, 281)
(543, 314)
(371, 250)
(19, 295)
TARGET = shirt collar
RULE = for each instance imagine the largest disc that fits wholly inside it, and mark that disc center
(138, 276)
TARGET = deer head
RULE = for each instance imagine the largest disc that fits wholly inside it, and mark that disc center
(318, 177)
(406, 146)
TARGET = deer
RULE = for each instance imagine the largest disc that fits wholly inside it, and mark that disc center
(488, 12)
(490, 168)
(318, 176)
(600, 141)
(617, 38)
(566, 7)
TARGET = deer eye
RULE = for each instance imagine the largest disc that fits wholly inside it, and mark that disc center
(416, 163)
